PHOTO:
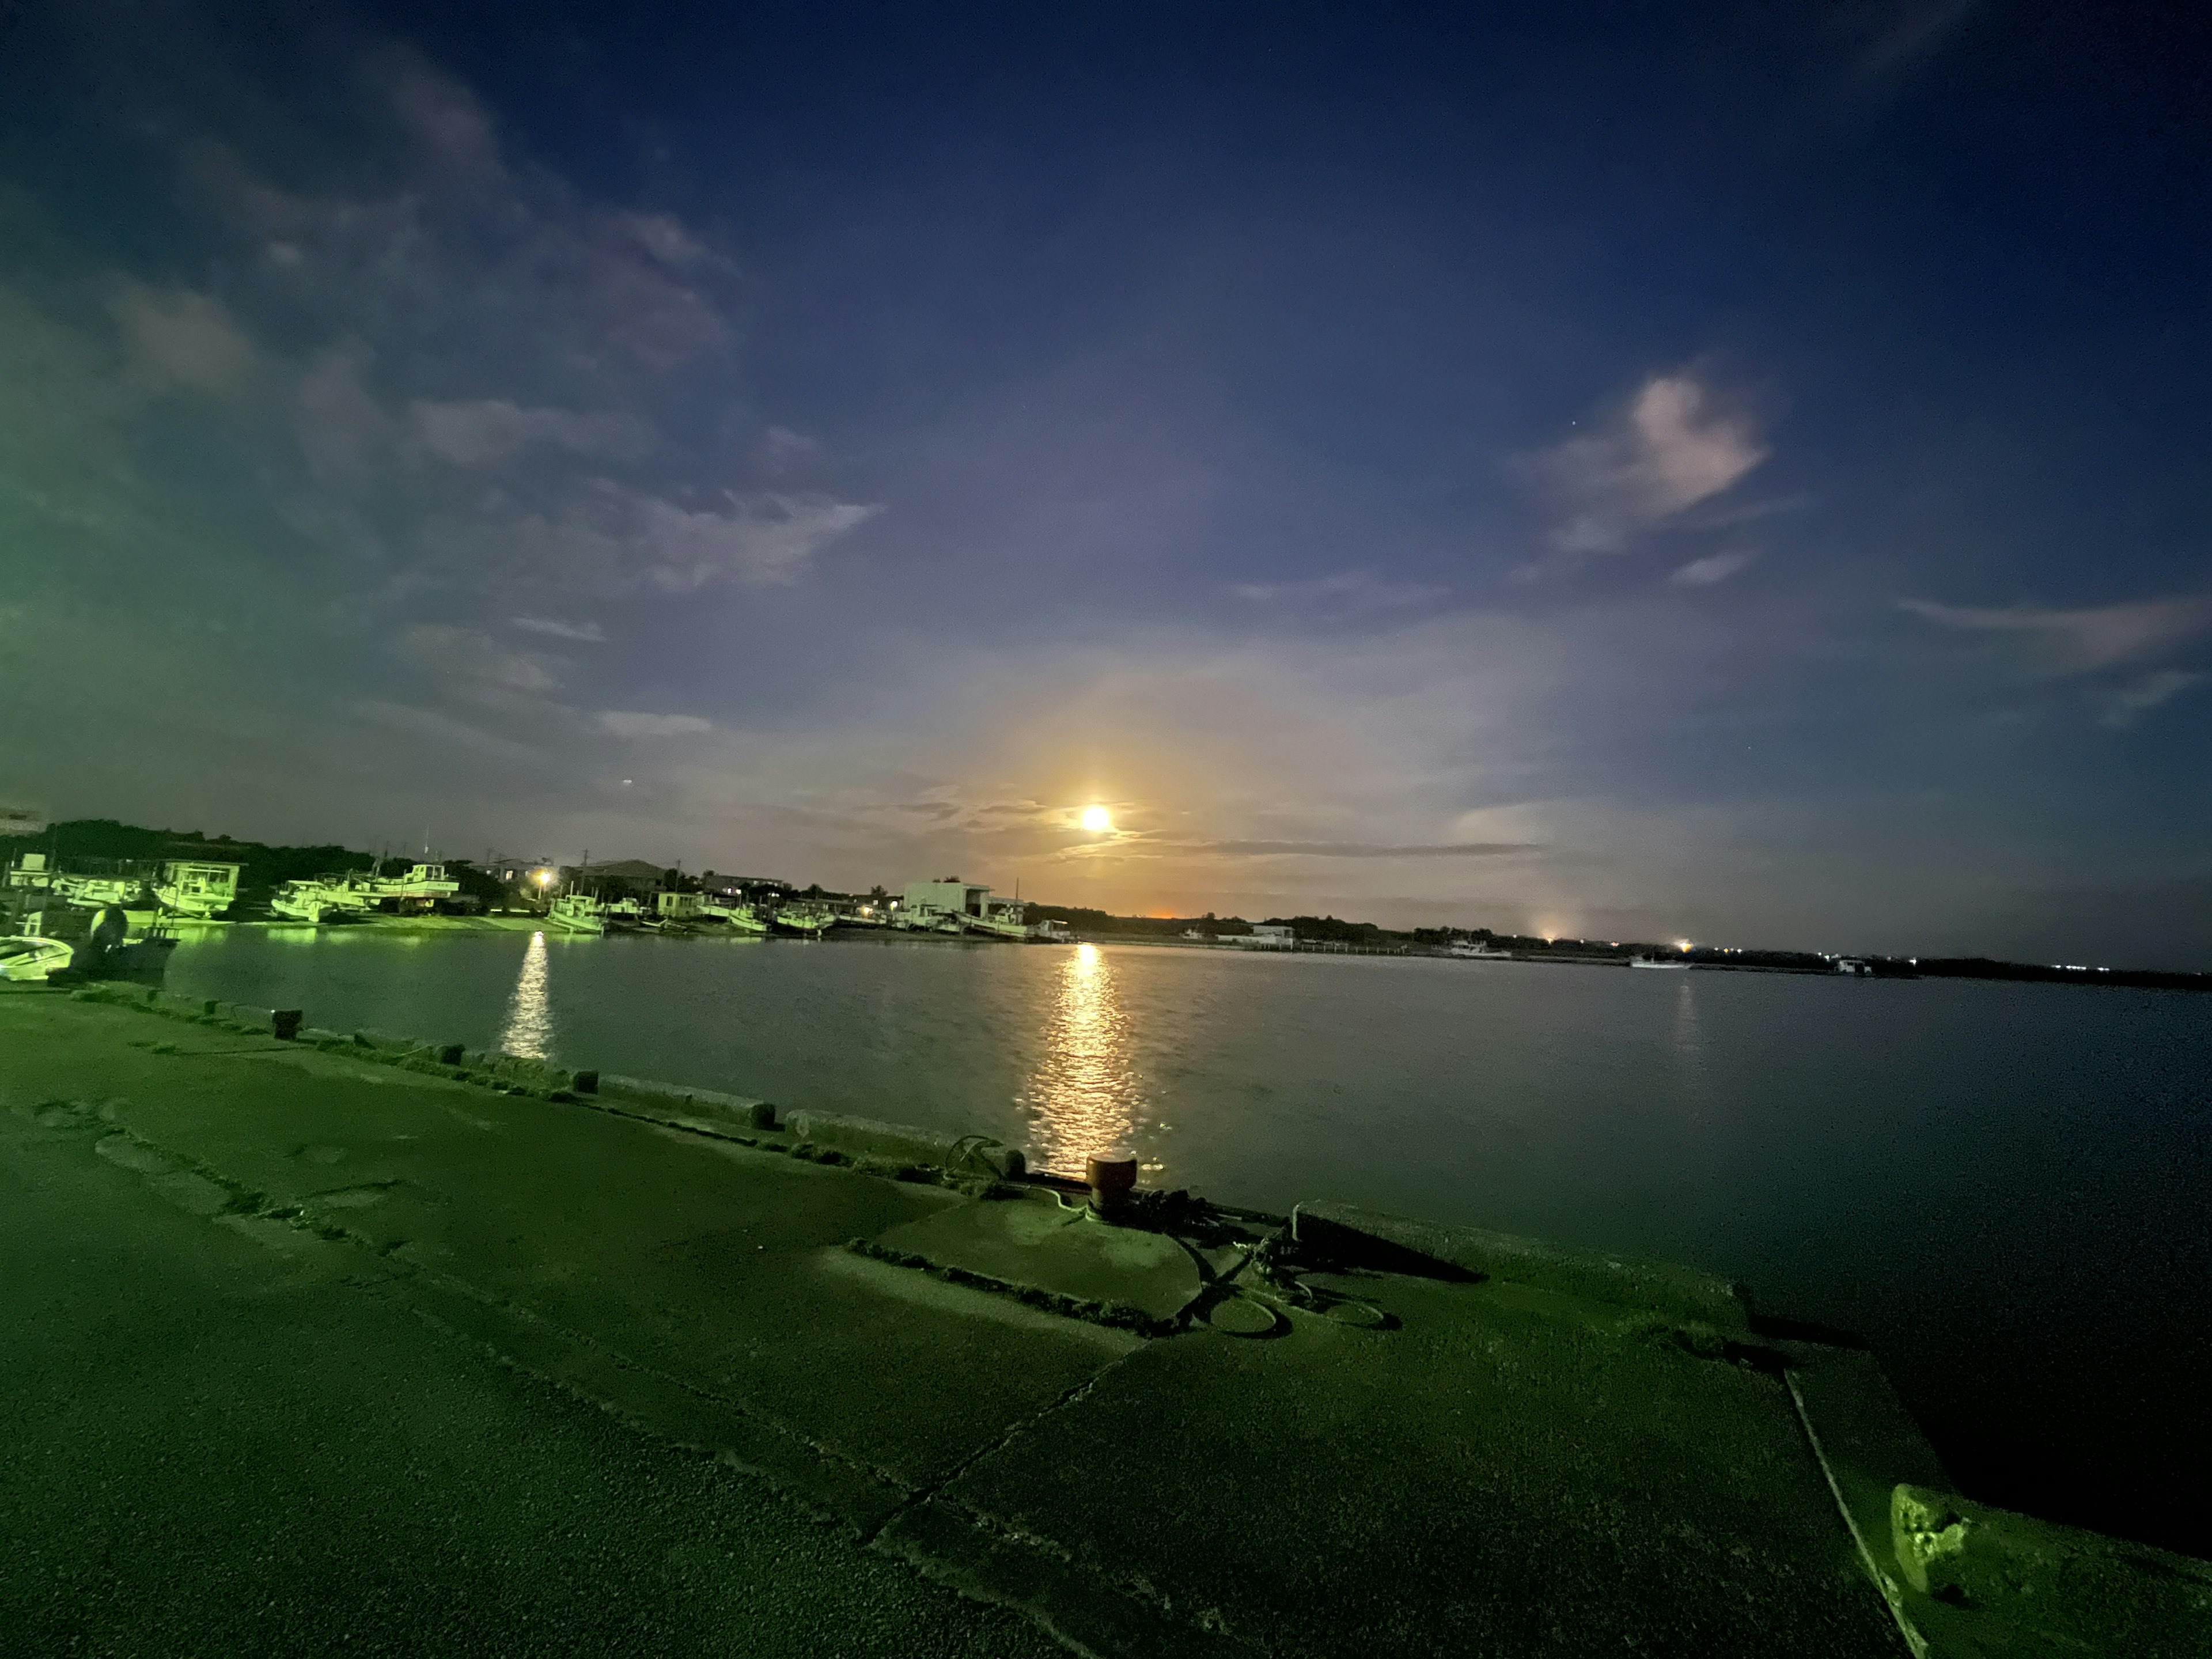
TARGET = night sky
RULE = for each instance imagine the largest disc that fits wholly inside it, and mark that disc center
(1739, 473)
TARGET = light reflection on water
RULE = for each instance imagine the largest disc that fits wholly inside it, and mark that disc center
(528, 1033)
(1083, 1096)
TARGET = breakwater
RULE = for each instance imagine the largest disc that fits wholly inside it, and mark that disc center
(1213, 1431)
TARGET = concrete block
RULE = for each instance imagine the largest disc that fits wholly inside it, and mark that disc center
(903, 1143)
(739, 1111)
(281, 1023)
(1398, 1244)
(2028, 1586)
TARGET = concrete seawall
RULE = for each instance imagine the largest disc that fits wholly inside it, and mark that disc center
(1015, 1426)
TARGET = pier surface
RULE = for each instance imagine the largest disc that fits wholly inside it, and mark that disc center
(313, 1352)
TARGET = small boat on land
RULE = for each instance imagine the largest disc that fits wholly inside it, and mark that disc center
(739, 918)
(802, 920)
(196, 888)
(98, 892)
(28, 956)
(320, 899)
(418, 890)
(578, 913)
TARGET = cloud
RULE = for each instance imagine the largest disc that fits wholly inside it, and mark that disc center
(1668, 450)
(449, 251)
(2082, 642)
(1356, 590)
(762, 540)
(2139, 697)
(1922, 32)
(589, 633)
(617, 723)
(617, 540)
(341, 428)
(1166, 845)
(184, 338)
(780, 450)
(1714, 568)
(490, 430)
(463, 653)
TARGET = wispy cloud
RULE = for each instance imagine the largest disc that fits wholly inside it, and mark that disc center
(2079, 641)
(615, 539)
(182, 337)
(465, 654)
(2123, 706)
(1352, 591)
(761, 539)
(1187, 846)
(589, 633)
(488, 430)
(621, 724)
(1924, 30)
(1673, 446)
(1713, 569)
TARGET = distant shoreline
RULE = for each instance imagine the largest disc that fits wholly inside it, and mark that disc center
(1889, 968)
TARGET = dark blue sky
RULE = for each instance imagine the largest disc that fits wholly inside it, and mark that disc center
(1735, 472)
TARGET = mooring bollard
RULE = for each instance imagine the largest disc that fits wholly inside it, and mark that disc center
(285, 1022)
(1112, 1178)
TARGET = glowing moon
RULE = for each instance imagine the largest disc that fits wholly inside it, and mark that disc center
(1096, 819)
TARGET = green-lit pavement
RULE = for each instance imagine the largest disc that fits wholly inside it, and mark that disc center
(312, 1350)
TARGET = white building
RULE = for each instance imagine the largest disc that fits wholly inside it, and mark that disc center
(1266, 936)
(951, 905)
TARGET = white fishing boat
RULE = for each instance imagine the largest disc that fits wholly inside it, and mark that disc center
(1663, 964)
(323, 898)
(98, 892)
(1475, 948)
(196, 888)
(578, 913)
(740, 917)
(802, 920)
(29, 956)
(418, 890)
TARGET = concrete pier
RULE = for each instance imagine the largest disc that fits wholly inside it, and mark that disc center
(348, 1343)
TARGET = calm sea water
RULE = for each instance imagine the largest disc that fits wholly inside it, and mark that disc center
(2003, 1188)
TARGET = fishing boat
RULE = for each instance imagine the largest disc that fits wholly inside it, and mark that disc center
(320, 899)
(1476, 948)
(98, 892)
(740, 918)
(578, 913)
(418, 890)
(1660, 963)
(802, 920)
(30, 956)
(196, 889)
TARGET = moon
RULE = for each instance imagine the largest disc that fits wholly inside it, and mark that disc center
(1096, 819)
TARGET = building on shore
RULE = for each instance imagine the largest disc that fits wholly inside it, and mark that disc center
(1265, 936)
(949, 905)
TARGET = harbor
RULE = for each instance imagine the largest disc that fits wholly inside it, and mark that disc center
(1015, 1409)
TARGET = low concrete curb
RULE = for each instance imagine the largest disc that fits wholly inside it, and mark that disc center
(742, 1111)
